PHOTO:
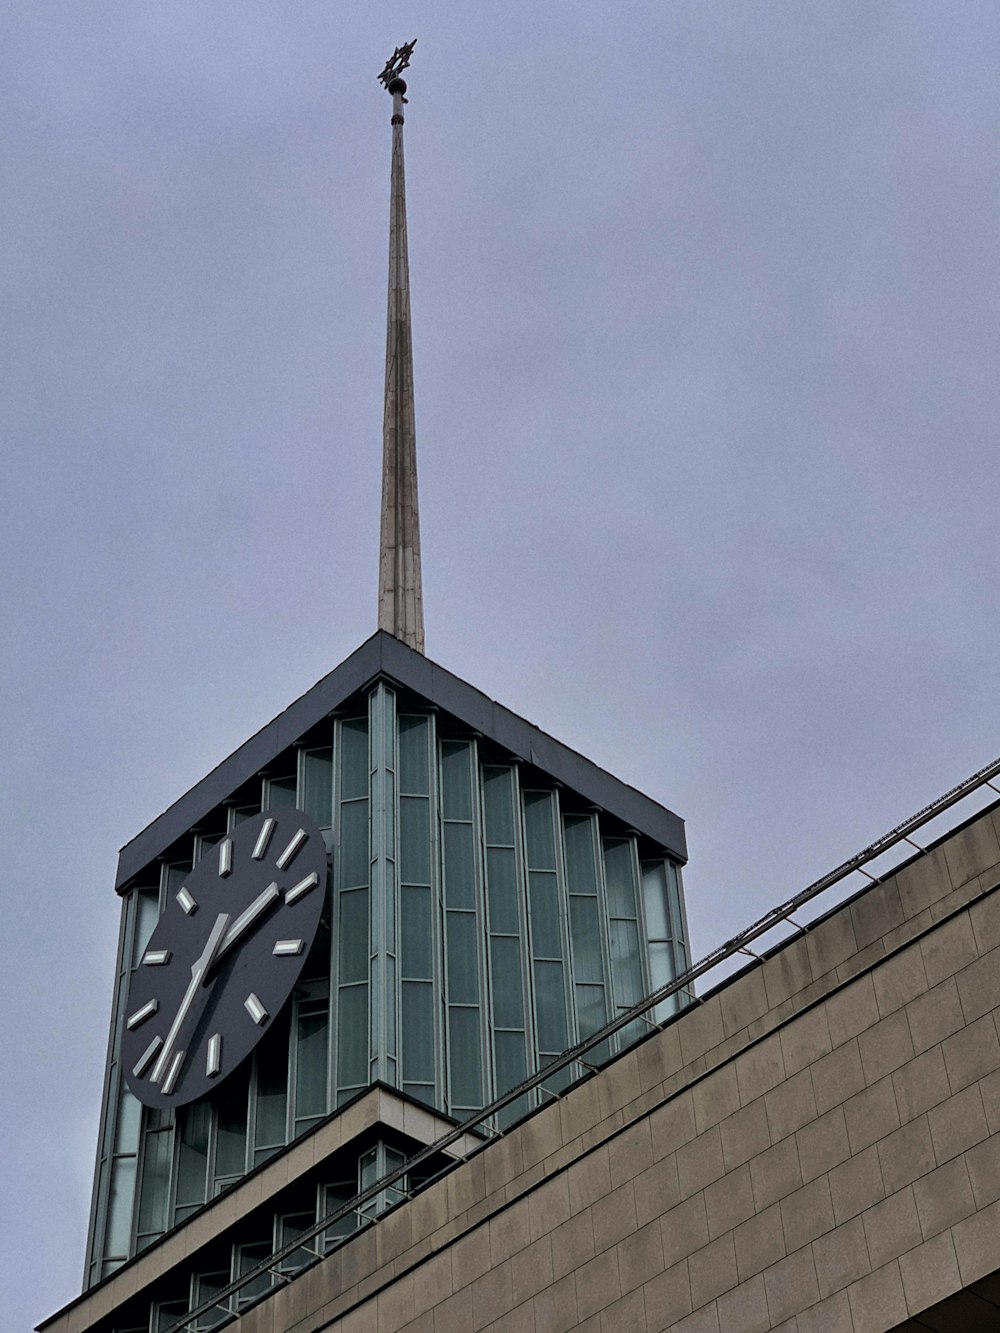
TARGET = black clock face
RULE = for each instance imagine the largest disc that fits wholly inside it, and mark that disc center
(223, 958)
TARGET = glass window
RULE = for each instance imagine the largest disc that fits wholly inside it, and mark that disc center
(497, 806)
(654, 898)
(122, 1196)
(310, 1063)
(231, 1125)
(414, 840)
(550, 1008)
(588, 965)
(501, 882)
(416, 950)
(544, 897)
(129, 1117)
(155, 1180)
(245, 1259)
(281, 791)
(459, 876)
(618, 871)
(354, 759)
(455, 780)
(352, 1031)
(625, 966)
(418, 1031)
(508, 1003)
(463, 958)
(579, 845)
(317, 768)
(354, 949)
(288, 1228)
(538, 830)
(147, 914)
(192, 1154)
(412, 766)
(353, 844)
(466, 1058)
(272, 1090)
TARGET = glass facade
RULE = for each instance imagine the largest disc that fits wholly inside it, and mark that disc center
(480, 919)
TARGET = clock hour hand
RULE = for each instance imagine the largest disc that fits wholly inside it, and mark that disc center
(199, 968)
(248, 917)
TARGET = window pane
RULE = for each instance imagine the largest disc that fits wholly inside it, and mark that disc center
(545, 934)
(352, 1030)
(354, 759)
(412, 764)
(231, 1122)
(155, 1177)
(416, 934)
(354, 844)
(654, 897)
(414, 840)
(354, 947)
(281, 791)
(498, 806)
(318, 796)
(129, 1114)
(272, 1087)
(508, 1005)
(625, 967)
(455, 780)
(618, 871)
(466, 1058)
(147, 911)
(511, 1067)
(502, 890)
(538, 830)
(310, 1067)
(579, 843)
(460, 885)
(588, 965)
(120, 1207)
(192, 1154)
(463, 958)
(418, 1031)
(591, 1011)
(550, 1007)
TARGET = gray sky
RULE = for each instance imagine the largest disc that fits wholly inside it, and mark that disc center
(705, 308)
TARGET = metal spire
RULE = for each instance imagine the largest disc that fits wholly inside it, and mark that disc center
(400, 595)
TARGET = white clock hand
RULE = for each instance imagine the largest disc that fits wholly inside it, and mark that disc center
(198, 970)
(248, 916)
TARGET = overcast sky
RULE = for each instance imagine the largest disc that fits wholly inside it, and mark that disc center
(705, 315)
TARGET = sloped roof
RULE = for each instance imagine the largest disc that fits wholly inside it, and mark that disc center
(383, 656)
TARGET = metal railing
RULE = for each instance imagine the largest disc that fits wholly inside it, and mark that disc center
(483, 1124)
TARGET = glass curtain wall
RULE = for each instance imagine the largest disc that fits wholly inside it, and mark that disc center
(477, 924)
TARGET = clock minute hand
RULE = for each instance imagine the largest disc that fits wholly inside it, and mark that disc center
(248, 917)
(198, 969)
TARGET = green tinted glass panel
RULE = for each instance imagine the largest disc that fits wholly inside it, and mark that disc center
(318, 797)
(418, 1031)
(281, 791)
(676, 915)
(588, 965)
(618, 873)
(192, 1155)
(412, 762)
(510, 1060)
(538, 830)
(550, 1007)
(661, 963)
(508, 1004)
(455, 780)
(414, 840)
(625, 966)
(466, 1058)
(354, 759)
(578, 840)
(463, 956)
(155, 1180)
(147, 913)
(231, 1122)
(415, 945)
(310, 1066)
(591, 1011)
(354, 948)
(545, 935)
(353, 844)
(501, 879)
(120, 1207)
(352, 1031)
(459, 880)
(498, 806)
(272, 1089)
(654, 898)
(129, 1116)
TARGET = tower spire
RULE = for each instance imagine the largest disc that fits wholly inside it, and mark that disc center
(400, 594)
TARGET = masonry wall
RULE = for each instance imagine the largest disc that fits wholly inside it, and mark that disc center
(816, 1148)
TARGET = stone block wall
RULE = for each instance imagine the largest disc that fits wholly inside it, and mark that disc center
(815, 1148)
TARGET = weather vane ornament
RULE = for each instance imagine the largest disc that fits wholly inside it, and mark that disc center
(394, 66)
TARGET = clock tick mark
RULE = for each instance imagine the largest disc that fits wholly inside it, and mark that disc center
(255, 1009)
(303, 886)
(225, 857)
(263, 838)
(186, 901)
(146, 1059)
(140, 1015)
(156, 957)
(285, 948)
(285, 859)
(213, 1061)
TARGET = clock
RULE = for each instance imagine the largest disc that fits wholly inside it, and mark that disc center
(223, 957)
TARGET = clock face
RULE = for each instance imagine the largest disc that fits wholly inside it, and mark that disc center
(224, 957)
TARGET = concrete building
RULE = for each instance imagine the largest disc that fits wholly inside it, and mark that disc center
(447, 1071)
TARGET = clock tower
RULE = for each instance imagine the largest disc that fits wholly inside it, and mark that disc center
(366, 943)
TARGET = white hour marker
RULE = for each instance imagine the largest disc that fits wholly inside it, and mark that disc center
(140, 1015)
(225, 857)
(213, 1061)
(286, 947)
(255, 1009)
(172, 1072)
(186, 901)
(285, 859)
(146, 1059)
(263, 838)
(156, 957)
(303, 886)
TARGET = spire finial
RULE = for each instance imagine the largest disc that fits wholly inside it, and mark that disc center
(400, 596)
